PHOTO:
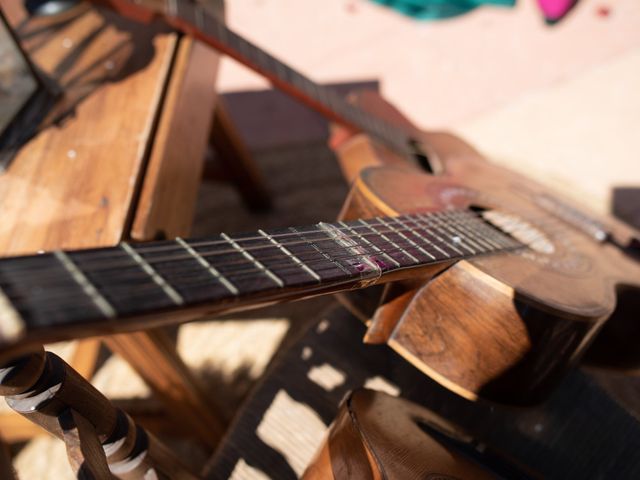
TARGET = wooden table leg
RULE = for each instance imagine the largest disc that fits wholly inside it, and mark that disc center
(153, 355)
(237, 163)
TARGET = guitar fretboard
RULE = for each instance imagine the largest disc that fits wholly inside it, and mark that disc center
(193, 19)
(81, 288)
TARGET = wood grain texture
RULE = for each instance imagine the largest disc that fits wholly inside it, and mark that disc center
(168, 196)
(75, 185)
(376, 436)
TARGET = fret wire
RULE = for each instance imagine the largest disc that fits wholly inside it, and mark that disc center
(291, 255)
(406, 238)
(365, 226)
(115, 266)
(210, 268)
(12, 324)
(451, 226)
(198, 15)
(161, 282)
(471, 228)
(398, 219)
(141, 288)
(252, 272)
(141, 274)
(171, 8)
(250, 257)
(439, 227)
(427, 225)
(89, 289)
(378, 250)
(196, 244)
(456, 235)
(319, 250)
(415, 260)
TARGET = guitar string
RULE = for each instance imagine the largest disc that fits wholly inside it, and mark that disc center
(334, 253)
(252, 271)
(63, 292)
(238, 274)
(298, 233)
(417, 233)
(141, 290)
(92, 267)
(303, 257)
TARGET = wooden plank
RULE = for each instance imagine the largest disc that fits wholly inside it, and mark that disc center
(168, 195)
(75, 186)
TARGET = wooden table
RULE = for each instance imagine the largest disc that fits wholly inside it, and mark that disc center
(126, 164)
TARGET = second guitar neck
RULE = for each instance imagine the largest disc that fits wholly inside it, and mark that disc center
(195, 20)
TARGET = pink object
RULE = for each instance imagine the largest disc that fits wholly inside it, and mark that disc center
(554, 10)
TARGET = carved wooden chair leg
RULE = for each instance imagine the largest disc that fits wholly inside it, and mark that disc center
(102, 441)
(14, 428)
(237, 163)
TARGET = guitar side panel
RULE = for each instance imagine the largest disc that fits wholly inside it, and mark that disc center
(470, 333)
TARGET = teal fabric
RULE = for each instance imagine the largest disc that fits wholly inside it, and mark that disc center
(435, 9)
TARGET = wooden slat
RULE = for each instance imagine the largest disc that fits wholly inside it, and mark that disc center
(168, 196)
(75, 186)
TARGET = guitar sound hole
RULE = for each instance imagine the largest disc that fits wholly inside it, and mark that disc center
(426, 162)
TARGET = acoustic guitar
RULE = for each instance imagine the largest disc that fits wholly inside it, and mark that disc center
(511, 293)
(497, 291)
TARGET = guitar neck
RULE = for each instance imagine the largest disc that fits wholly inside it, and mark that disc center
(61, 295)
(195, 20)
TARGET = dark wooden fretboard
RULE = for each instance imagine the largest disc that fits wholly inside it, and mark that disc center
(195, 20)
(108, 287)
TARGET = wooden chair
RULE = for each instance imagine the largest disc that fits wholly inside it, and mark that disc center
(125, 164)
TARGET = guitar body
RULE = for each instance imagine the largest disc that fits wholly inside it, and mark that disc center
(502, 327)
